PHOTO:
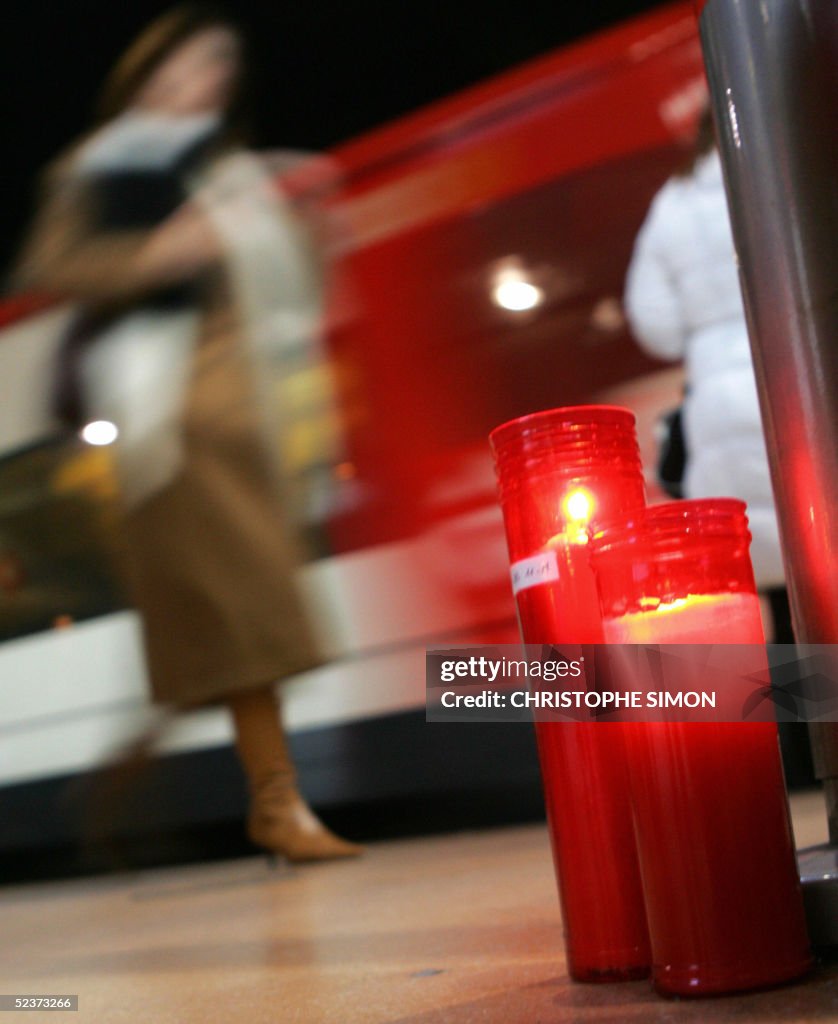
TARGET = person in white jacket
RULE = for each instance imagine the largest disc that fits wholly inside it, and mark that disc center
(683, 302)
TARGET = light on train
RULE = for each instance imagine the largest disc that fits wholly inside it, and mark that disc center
(514, 292)
(99, 432)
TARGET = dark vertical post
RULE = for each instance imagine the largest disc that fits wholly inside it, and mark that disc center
(772, 65)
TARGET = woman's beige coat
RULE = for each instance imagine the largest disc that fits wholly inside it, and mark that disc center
(210, 559)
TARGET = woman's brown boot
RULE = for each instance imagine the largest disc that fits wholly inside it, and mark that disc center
(279, 819)
(282, 822)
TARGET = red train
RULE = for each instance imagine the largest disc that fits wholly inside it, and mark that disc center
(489, 238)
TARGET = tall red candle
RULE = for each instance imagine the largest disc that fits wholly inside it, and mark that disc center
(558, 471)
(716, 850)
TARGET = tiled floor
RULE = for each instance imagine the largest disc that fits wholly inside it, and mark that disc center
(452, 930)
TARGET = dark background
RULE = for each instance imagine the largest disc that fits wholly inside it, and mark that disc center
(324, 70)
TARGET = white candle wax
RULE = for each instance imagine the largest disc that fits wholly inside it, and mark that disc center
(696, 619)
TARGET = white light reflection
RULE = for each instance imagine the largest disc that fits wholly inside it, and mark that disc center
(734, 120)
(99, 432)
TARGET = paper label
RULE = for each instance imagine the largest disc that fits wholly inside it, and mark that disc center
(530, 572)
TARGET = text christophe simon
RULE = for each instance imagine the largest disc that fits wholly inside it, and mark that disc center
(491, 670)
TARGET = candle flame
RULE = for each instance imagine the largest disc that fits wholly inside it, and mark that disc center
(578, 505)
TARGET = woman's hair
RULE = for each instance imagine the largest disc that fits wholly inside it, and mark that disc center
(155, 45)
(705, 140)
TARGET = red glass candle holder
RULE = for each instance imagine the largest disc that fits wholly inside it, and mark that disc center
(559, 471)
(716, 850)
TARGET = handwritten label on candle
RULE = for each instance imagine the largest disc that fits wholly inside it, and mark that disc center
(530, 572)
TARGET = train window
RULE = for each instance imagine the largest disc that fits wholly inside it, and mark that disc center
(58, 537)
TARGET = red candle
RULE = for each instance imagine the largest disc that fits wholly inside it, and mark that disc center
(558, 471)
(716, 850)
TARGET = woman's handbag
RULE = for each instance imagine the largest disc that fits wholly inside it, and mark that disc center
(135, 374)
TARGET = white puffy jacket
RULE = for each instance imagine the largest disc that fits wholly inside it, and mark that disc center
(683, 302)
